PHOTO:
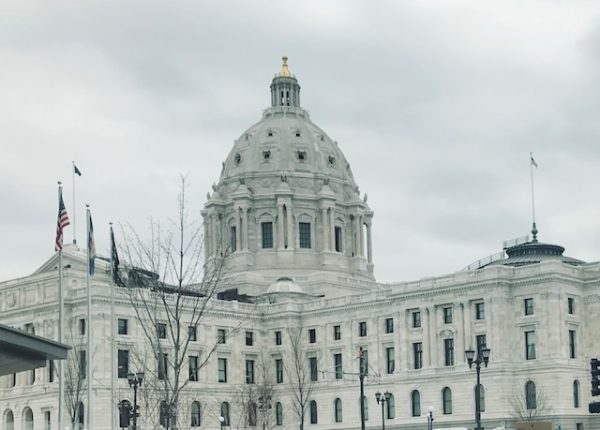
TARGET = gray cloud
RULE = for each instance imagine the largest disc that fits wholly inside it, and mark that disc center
(436, 107)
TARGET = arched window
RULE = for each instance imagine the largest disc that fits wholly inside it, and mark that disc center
(415, 402)
(447, 400)
(80, 415)
(195, 415)
(27, 419)
(313, 412)
(391, 407)
(252, 414)
(9, 420)
(225, 413)
(124, 413)
(481, 396)
(530, 395)
(337, 409)
(576, 394)
(163, 418)
(278, 414)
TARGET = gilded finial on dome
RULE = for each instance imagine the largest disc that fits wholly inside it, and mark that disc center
(284, 67)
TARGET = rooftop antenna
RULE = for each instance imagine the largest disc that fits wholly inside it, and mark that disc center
(534, 230)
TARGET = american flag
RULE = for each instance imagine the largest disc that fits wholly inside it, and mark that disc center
(61, 223)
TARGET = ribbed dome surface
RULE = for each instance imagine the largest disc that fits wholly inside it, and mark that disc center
(285, 140)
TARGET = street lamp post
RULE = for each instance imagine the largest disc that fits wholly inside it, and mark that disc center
(383, 399)
(483, 356)
(361, 378)
(430, 418)
(135, 381)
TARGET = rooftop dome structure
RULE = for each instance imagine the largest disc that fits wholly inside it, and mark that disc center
(285, 285)
(287, 203)
(535, 252)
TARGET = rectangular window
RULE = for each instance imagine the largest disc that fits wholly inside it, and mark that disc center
(479, 311)
(572, 343)
(362, 328)
(571, 305)
(82, 365)
(122, 363)
(304, 234)
(232, 239)
(193, 333)
(579, 426)
(389, 325)
(82, 326)
(530, 345)
(337, 332)
(267, 234)
(163, 366)
(249, 338)
(337, 365)
(312, 335)
(416, 319)
(390, 360)
(417, 355)
(447, 315)
(221, 335)
(279, 370)
(122, 326)
(528, 303)
(222, 375)
(449, 352)
(193, 367)
(47, 420)
(249, 371)
(314, 369)
(161, 330)
(338, 239)
(278, 337)
(480, 341)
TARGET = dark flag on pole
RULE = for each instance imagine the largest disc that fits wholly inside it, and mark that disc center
(61, 223)
(114, 258)
(76, 170)
(91, 246)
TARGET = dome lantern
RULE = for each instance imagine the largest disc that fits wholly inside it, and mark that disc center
(285, 90)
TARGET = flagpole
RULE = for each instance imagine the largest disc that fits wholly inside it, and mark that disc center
(61, 329)
(534, 230)
(74, 211)
(112, 331)
(90, 325)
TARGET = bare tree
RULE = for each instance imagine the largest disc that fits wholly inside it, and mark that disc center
(255, 399)
(298, 371)
(171, 288)
(75, 378)
(529, 405)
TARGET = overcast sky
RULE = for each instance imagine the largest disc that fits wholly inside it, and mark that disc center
(436, 106)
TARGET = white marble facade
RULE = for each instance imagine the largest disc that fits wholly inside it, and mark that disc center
(288, 207)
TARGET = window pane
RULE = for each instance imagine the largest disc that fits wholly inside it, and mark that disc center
(267, 234)
(304, 233)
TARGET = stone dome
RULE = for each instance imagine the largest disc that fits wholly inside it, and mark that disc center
(284, 285)
(286, 204)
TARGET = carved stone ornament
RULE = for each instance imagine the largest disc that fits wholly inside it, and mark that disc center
(11, 300)
(284, 177)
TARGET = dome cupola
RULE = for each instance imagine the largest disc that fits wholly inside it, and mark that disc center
(285, 90)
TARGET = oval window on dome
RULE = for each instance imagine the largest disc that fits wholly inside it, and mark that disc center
(237, 158)
(266, 155)
(301, 155)
(331, 160)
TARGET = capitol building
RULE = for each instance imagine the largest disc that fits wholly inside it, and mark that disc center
(301, 311)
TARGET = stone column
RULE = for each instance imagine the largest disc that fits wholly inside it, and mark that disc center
(290, 228)
(460, 332)
(433, 346)
(467, 325)
(361, 236)
(326, 233)
(245, 229)
(208, 248)
(331, 232)
(369, 243)
(403, 340)
(280, 223)
(425, 335)
(238, 229)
